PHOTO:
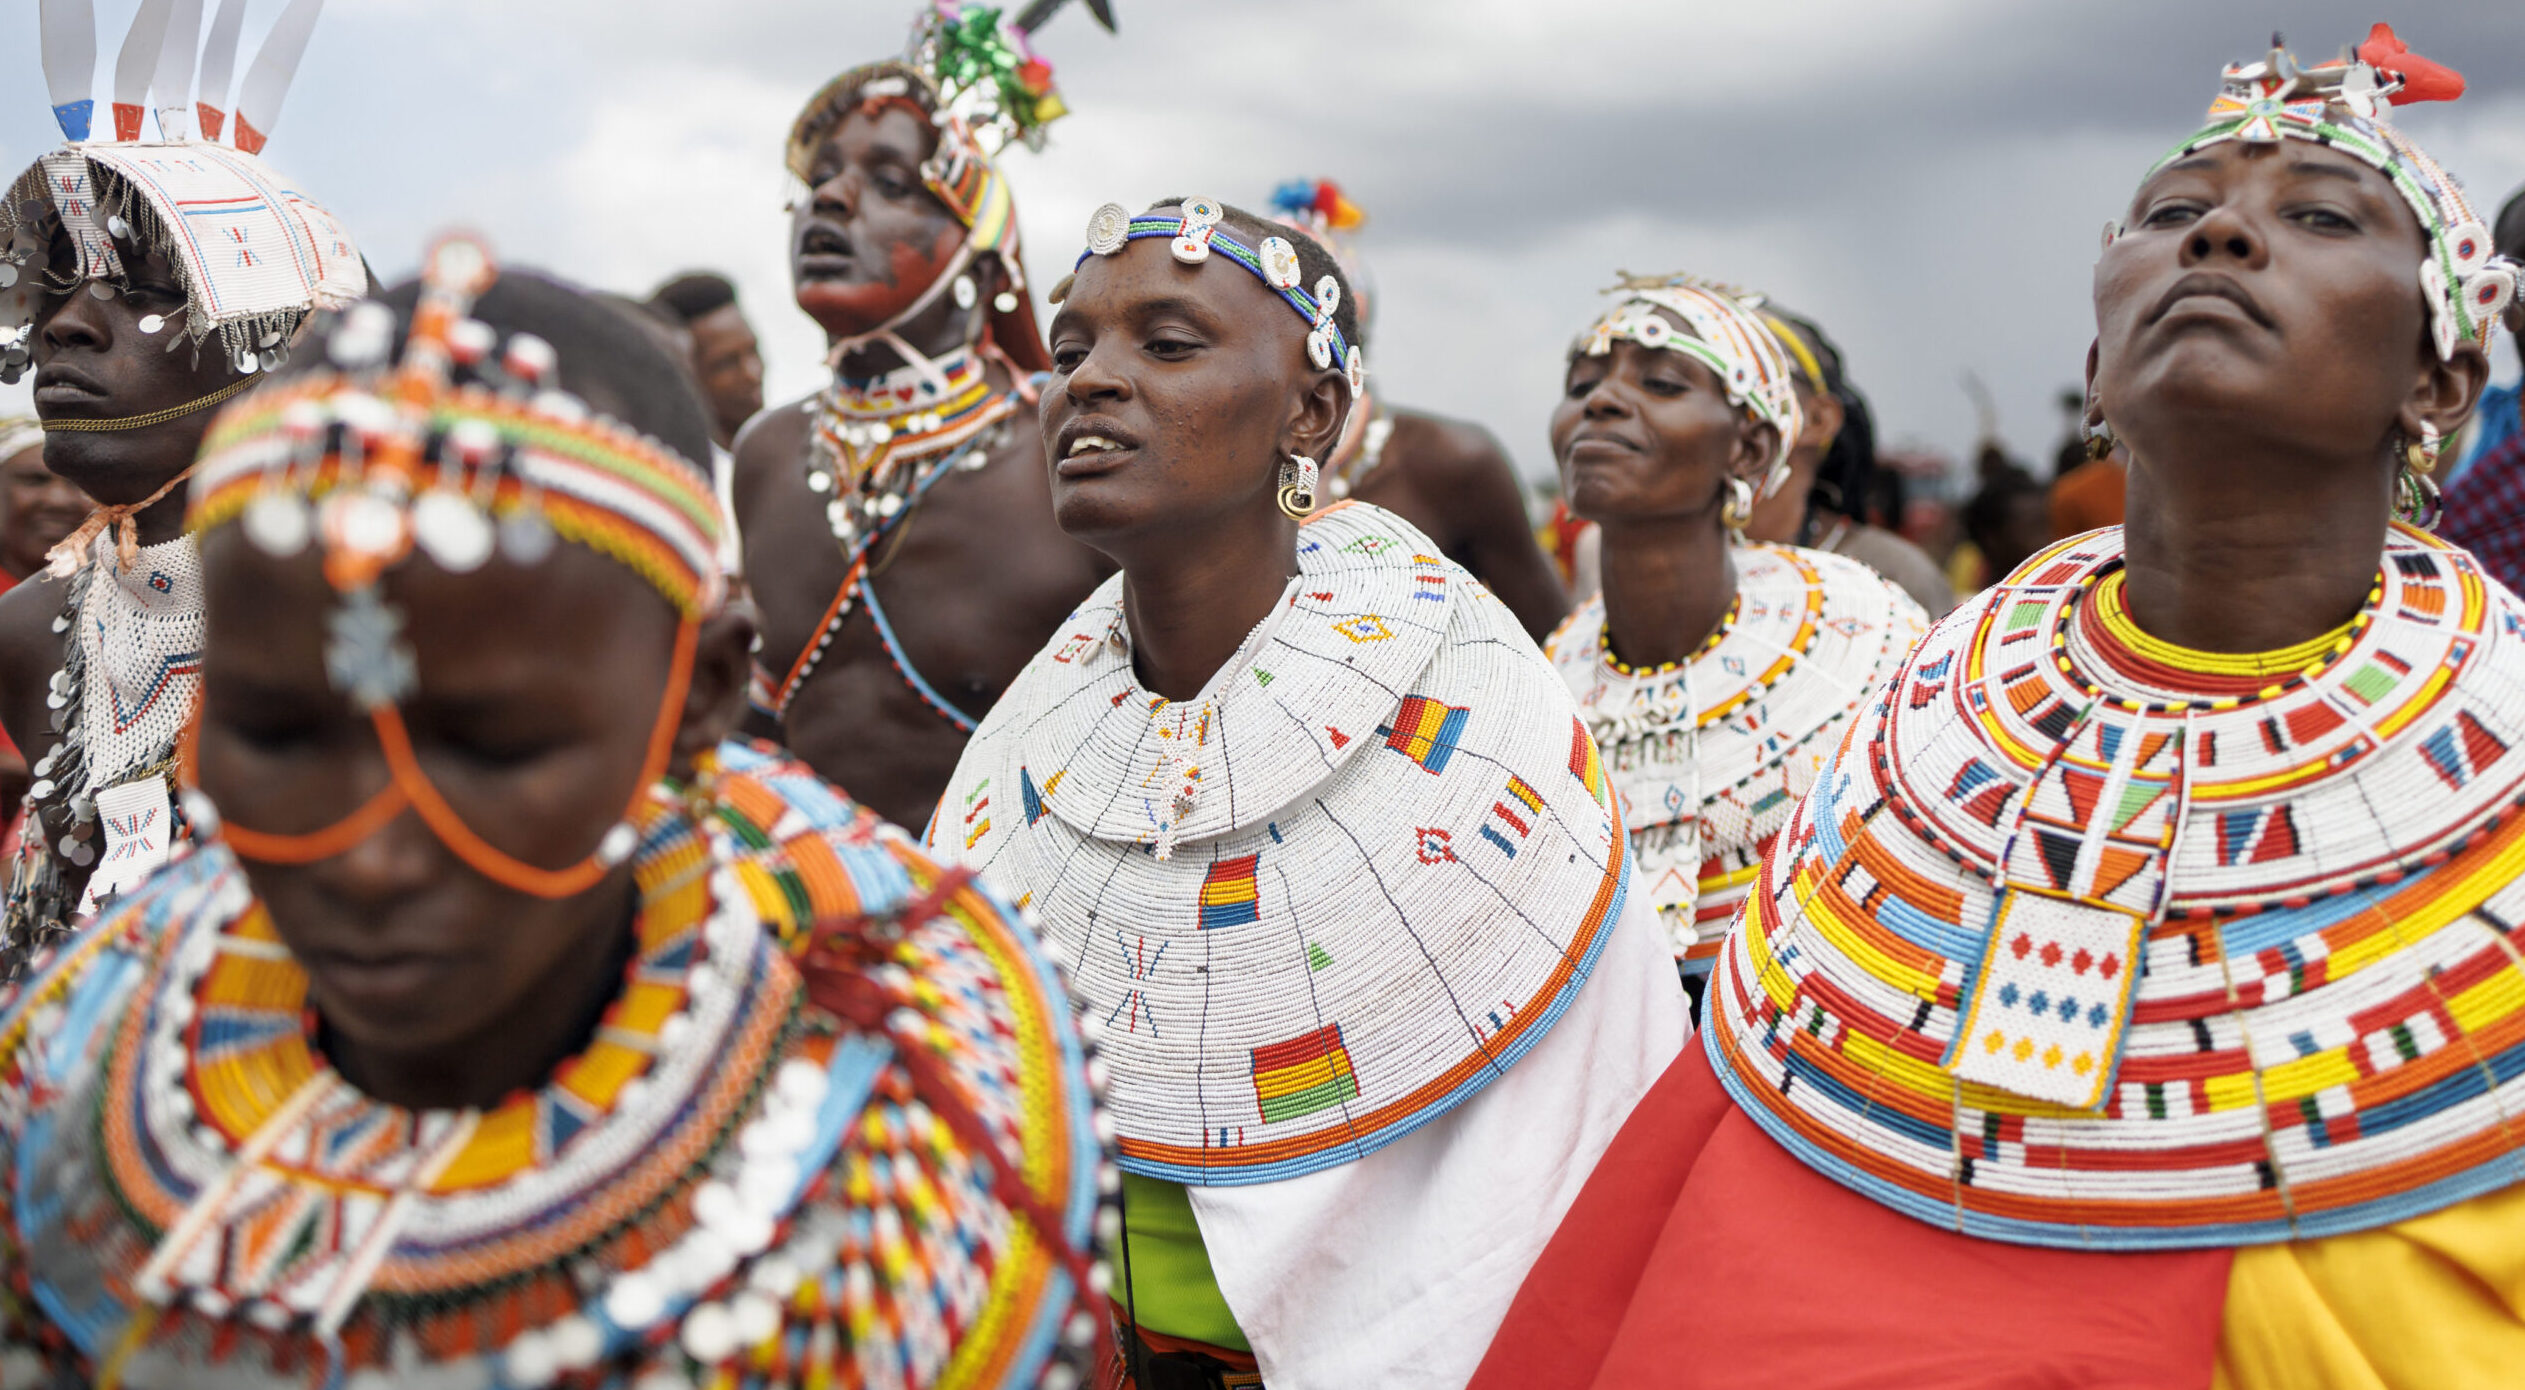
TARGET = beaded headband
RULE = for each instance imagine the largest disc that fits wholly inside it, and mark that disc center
(1732, 341)
(1196, 232)
(2342, 105)
(369, 464)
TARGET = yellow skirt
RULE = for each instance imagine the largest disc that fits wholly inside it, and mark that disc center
(2435, 1303)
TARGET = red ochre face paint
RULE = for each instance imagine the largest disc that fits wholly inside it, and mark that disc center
(845, 307)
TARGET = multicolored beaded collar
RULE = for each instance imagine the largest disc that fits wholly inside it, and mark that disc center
(2342, 105)
(833, 1131)
(2054, 955)
(1196, 232)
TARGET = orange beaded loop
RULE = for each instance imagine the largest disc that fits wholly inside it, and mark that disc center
(411, 787)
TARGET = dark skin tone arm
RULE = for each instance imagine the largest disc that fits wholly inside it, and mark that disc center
(2262, 351)
(975, 581)
(1454, 482)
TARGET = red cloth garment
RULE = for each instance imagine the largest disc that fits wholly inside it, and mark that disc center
(1703, 1256)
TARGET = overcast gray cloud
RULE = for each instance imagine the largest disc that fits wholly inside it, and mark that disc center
(1926, 177)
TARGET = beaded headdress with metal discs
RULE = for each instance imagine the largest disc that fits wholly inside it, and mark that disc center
(1728, 336)
(253, 254)
(2344, 105)
(1193, 233)
(460, 450)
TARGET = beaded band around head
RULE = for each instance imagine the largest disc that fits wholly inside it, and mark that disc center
(1732, 341)
(1197, 232)
(368, 465)
(2342, 105)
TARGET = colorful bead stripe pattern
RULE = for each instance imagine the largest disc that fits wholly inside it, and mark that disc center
(2321, 1024)
(1709, 756)
(1389, 875)
(730, 1184)
(601, 485)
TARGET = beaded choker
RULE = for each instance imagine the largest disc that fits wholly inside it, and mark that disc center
(1718, 634)
(876, 446)
(2118, 641)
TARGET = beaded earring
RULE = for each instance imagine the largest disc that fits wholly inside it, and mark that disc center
(1297, 487)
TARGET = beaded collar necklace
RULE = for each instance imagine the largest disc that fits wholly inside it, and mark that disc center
(2097, 620)
(1709, 644)
(876, 445)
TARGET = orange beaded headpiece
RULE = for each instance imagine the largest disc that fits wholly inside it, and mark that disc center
(371, 463)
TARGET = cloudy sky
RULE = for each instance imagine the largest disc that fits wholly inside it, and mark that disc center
(1926, 177)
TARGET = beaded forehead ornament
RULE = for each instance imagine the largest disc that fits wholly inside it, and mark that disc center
(1728, 337)
(1195, 231)
(253, 255)
(460, 455)
(2342, 105)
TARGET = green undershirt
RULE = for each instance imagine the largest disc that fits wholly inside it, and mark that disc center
(1169, 1269)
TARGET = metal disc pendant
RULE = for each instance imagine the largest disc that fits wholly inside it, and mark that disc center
(525, 538)
(453, 530)
(278, 524)
(151, 323)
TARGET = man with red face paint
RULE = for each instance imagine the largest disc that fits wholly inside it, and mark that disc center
(897, 524)
(2133, 1000)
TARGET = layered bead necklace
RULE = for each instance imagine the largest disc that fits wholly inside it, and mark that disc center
(878, 444)
(876, 447)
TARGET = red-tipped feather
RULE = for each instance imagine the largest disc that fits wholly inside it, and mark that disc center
(2422, 80)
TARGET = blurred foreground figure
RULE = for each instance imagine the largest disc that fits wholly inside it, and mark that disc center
(509, 1028)
(2135, 999)
(897, 524)
(1448, 478)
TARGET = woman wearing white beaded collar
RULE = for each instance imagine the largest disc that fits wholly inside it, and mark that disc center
(1319, 835)
(1716, 674)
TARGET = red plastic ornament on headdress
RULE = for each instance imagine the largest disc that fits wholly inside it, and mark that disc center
(2422, 80)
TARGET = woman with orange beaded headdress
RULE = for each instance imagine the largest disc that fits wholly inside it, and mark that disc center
(511, 1028)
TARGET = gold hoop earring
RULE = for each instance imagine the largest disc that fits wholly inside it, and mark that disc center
(1738, 511)
(1297, 487)
(2100, 441)
(2420, 455)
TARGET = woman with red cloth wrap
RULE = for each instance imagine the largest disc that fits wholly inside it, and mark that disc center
(2134, 999)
